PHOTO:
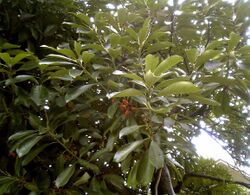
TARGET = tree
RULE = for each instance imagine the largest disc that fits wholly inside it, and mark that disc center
(114, 111)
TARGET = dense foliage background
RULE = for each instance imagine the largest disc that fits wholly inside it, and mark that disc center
(104, 97)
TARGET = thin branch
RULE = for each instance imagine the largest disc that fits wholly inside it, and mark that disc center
(166, 182)
(247, 185)
(158, 181)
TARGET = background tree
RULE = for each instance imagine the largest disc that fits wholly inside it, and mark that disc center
(114, 111)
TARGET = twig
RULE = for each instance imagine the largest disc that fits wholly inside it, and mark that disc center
(247, 185)
(158, 181)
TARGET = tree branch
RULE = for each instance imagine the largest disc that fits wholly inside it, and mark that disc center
(166, 185)
(247, 185)
(158, 181)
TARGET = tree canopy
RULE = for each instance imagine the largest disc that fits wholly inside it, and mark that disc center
(104, 97)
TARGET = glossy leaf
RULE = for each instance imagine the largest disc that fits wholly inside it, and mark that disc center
(145, 170)
(27, 145)
(67, 52)
(21, 134)
(204, 100)
(73, 94)
(20, 78)
(116, 180)
(220, 80)
(126, 93)
(206, 56)
(132, 181)
(112, 110)
(19, 57)
(144, 32)
(150, 78)
(127, 75)
(87, 56)
(39, 94)
(124, 151)
(168, 63)
(233, 41)
(6, 58)
(151, 62)
(191, 55)
(180, 87)
(64, 177)
(129, 130)
(156, 156)
(31, 155)
(83, 179)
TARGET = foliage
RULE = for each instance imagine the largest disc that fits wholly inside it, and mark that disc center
(106, 113)
(206, 186)
(33, 23)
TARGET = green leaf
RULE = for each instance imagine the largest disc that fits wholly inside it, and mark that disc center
(168, 82)
(31, 186)
(245, 50)
(9, 46)
(124, 151)
(127, 75)
(206, 56)
(112, 110)
(156, 155)
(6, 58)
(87, 56)
(126, 93)
(54, 63)
(233, 41)
(114, 39)
(28, 65)
(221, 80)
(84, 18)
(74, 93)
(75, 72)
(6, 183)
(116, 180)
(150, 78)
(67, 52)
(145, 170)
(39, 94)
(21, 134)
(27, 145)
(83, 179)
(132, 33)
(224, 99)
(61, 57)
(115, 53)
(216, 44)
(129, 130)
(89, 165)
(34, 153)
(132, 181)
(20, 78)
(144, 32)
(159, 46)
(19, 57)
(204, 100)
(151, 62)
(191, 55)
(77, 47)
(168, 63)
(180, 87)
(63, 178)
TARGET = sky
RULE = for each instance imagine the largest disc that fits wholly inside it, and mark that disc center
(207, 147)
